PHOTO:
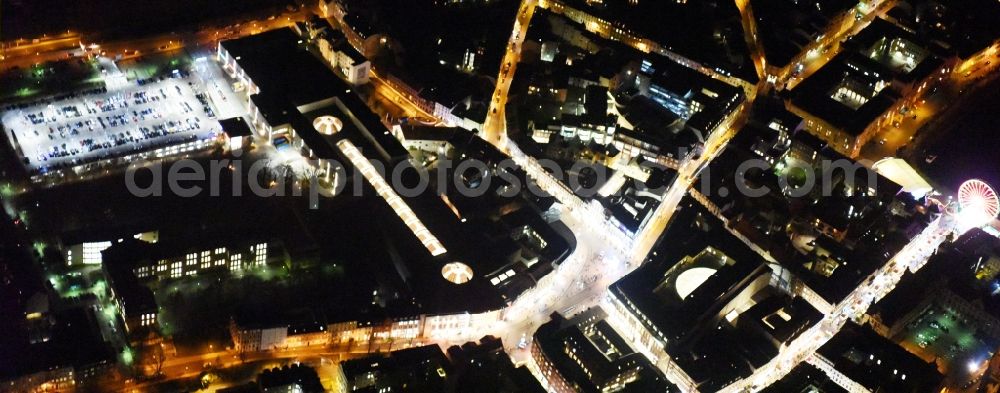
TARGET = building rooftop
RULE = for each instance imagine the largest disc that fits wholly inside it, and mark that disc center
(786, 26)
(485, 367)
(804, 378)
(420, 369)
(686, 285)
(877, 363)
(632, 206)
(962, 27)
(296, 87)
(75, 340)
(901, 53)
(236, 127)
(849, 93)
(600, 357)
(279, 64)
(779, 318)
(359, 24)
(689, 93)
(353, 54)
(118, 261)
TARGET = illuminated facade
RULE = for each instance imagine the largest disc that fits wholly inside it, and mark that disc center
(89, 253)
(351, 63)
(57, 380)
(253, 339)
(232, 259)
(464, 325)
(86, 253)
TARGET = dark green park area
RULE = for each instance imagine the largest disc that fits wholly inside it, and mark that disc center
(40, 80)
(196, 312)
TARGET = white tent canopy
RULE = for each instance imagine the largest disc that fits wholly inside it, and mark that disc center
(900, 172)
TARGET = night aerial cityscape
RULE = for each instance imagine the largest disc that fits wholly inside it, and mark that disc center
(500, 196)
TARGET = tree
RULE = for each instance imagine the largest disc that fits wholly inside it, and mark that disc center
(241, 353)
(158, 358)
(151, 356)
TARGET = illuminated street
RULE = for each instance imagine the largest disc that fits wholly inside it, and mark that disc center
(150, 243)
(494, 129)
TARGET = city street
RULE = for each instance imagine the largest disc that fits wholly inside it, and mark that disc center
(402, 106)
(22, 47)
(80, 129)
(324, 359)
(933, 104)
(28, 54)
(495, 128)
(912, 257)
(533, 308)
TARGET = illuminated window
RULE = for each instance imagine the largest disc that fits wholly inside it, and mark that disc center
(260, 254)
(92, 252)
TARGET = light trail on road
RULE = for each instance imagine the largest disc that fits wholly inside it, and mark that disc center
(495, 128)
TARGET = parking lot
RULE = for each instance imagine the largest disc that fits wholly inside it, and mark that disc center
(85, 127)
(942, 334)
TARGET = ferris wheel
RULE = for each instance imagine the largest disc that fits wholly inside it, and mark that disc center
(977, 201)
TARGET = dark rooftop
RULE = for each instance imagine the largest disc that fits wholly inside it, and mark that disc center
(822, 93)
(421, 369)
(118, 262)
(484, 367)
(236, 126)
(692, 232)
(785, 26)
(963, 27)
(877, 363)
(75, 341)
(282, 67)
(296, 87)
(597, 360)
(804, 378)
(355, 56)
